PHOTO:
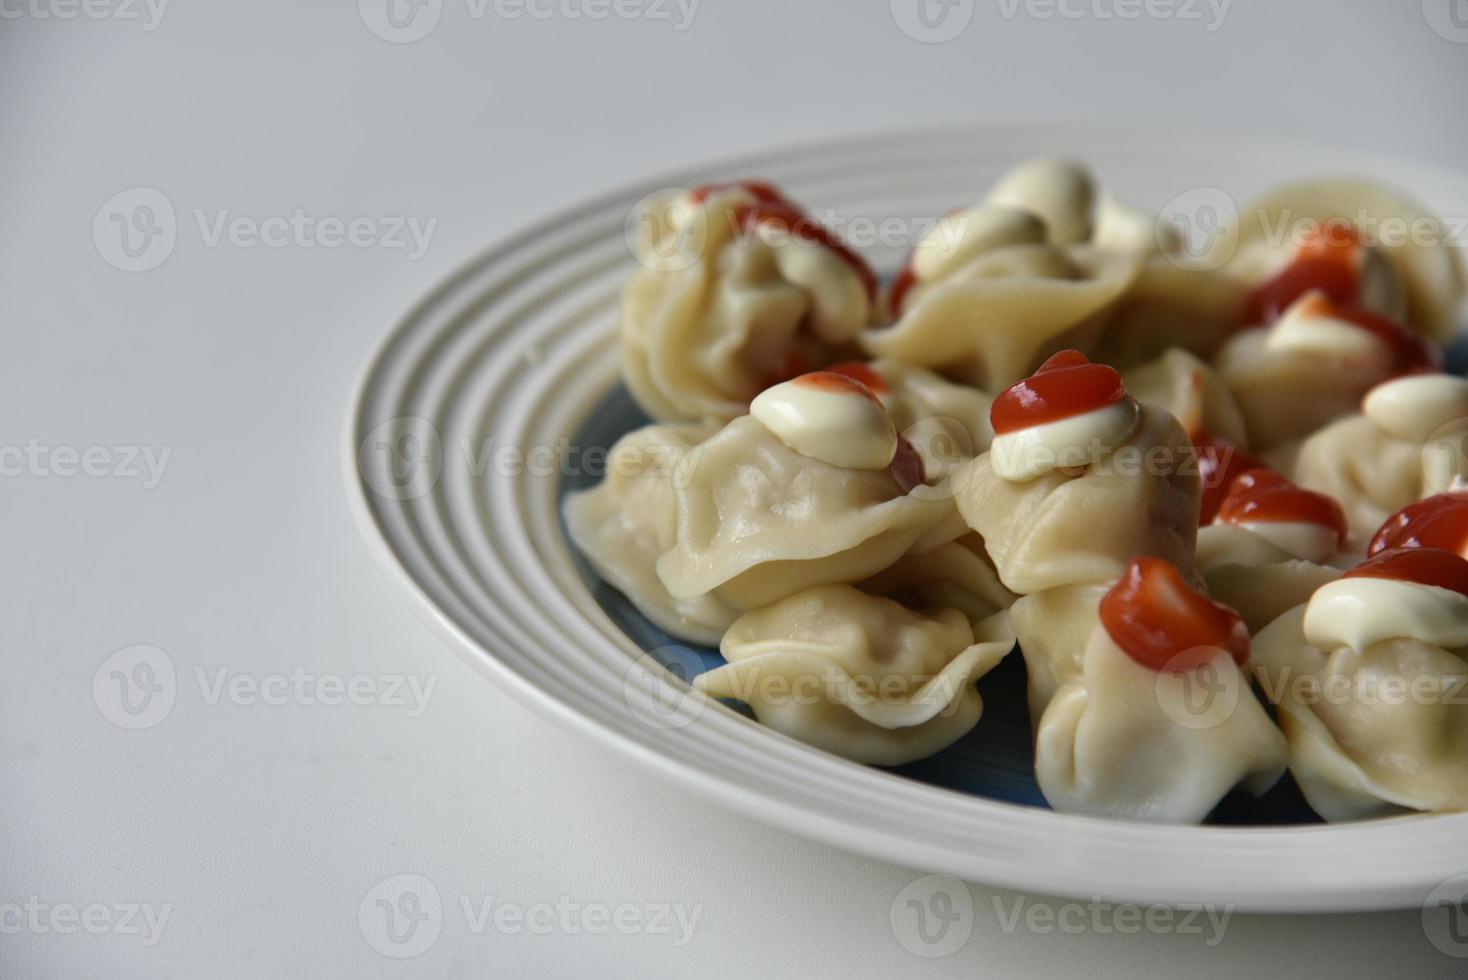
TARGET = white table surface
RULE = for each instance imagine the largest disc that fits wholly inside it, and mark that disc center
(260, 828)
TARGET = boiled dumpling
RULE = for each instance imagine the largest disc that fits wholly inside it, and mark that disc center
(736, 289)
(1368, 678)
(1399, 258)
(1071, 500)
(860, 675)
(1271, 547)
(986, 297)
(1149, 715)
(1192, 391)
(762, 515)
(1313, 366)
(627, 522)
(1405, 444)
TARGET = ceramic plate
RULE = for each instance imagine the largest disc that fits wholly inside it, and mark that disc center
(499, 393)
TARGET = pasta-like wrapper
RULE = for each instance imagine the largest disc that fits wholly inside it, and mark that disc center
(1372, 473)
(1171, 305)
(1192, 391)
(956, 575)
(627, 522)
(711, 316)
(1255, 578)
(758, 521)
(1286, 395)
(859, 675)
(1052, 628)
(1357, 747)
(918, 395)
(1122, 740)
(1428, 268)
(1068, 528)
(995, 319)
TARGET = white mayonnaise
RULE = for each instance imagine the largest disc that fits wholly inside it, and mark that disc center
(1357, 612)
(843, 425)
(1065, 443)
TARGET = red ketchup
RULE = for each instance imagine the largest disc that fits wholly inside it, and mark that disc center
(1329, 260)
(1426, 566)
(771, 208)
(1411, 354)
(791, 364)
(1066, 385)
(1263, 496)
(902, 284)
(907, 466)
(836, 383)
(863, 372)
(1220, 462)
(1154, 616)
(1440, 521)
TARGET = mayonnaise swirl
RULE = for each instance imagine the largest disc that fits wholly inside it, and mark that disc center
(1414, 407)
(1359, 612)
(1064, 443)
(829, 417)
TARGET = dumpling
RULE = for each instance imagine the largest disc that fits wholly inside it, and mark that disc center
(736, 289)
(627, 522)
(946, 423)
(1070, 499)
(1172, 305)
(1065, 197)
(1312, 366)
(1151, 716)
(956, 575)
(1367, 245)
(810, 489)
(1405, 444)
(1192, 391)
(860, 675)
(985, 298)
(1368, 677)
(1272, 546)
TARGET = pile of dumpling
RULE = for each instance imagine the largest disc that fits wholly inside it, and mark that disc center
(1219, 507)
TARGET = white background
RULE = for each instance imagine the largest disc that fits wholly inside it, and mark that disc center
(263, 827)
